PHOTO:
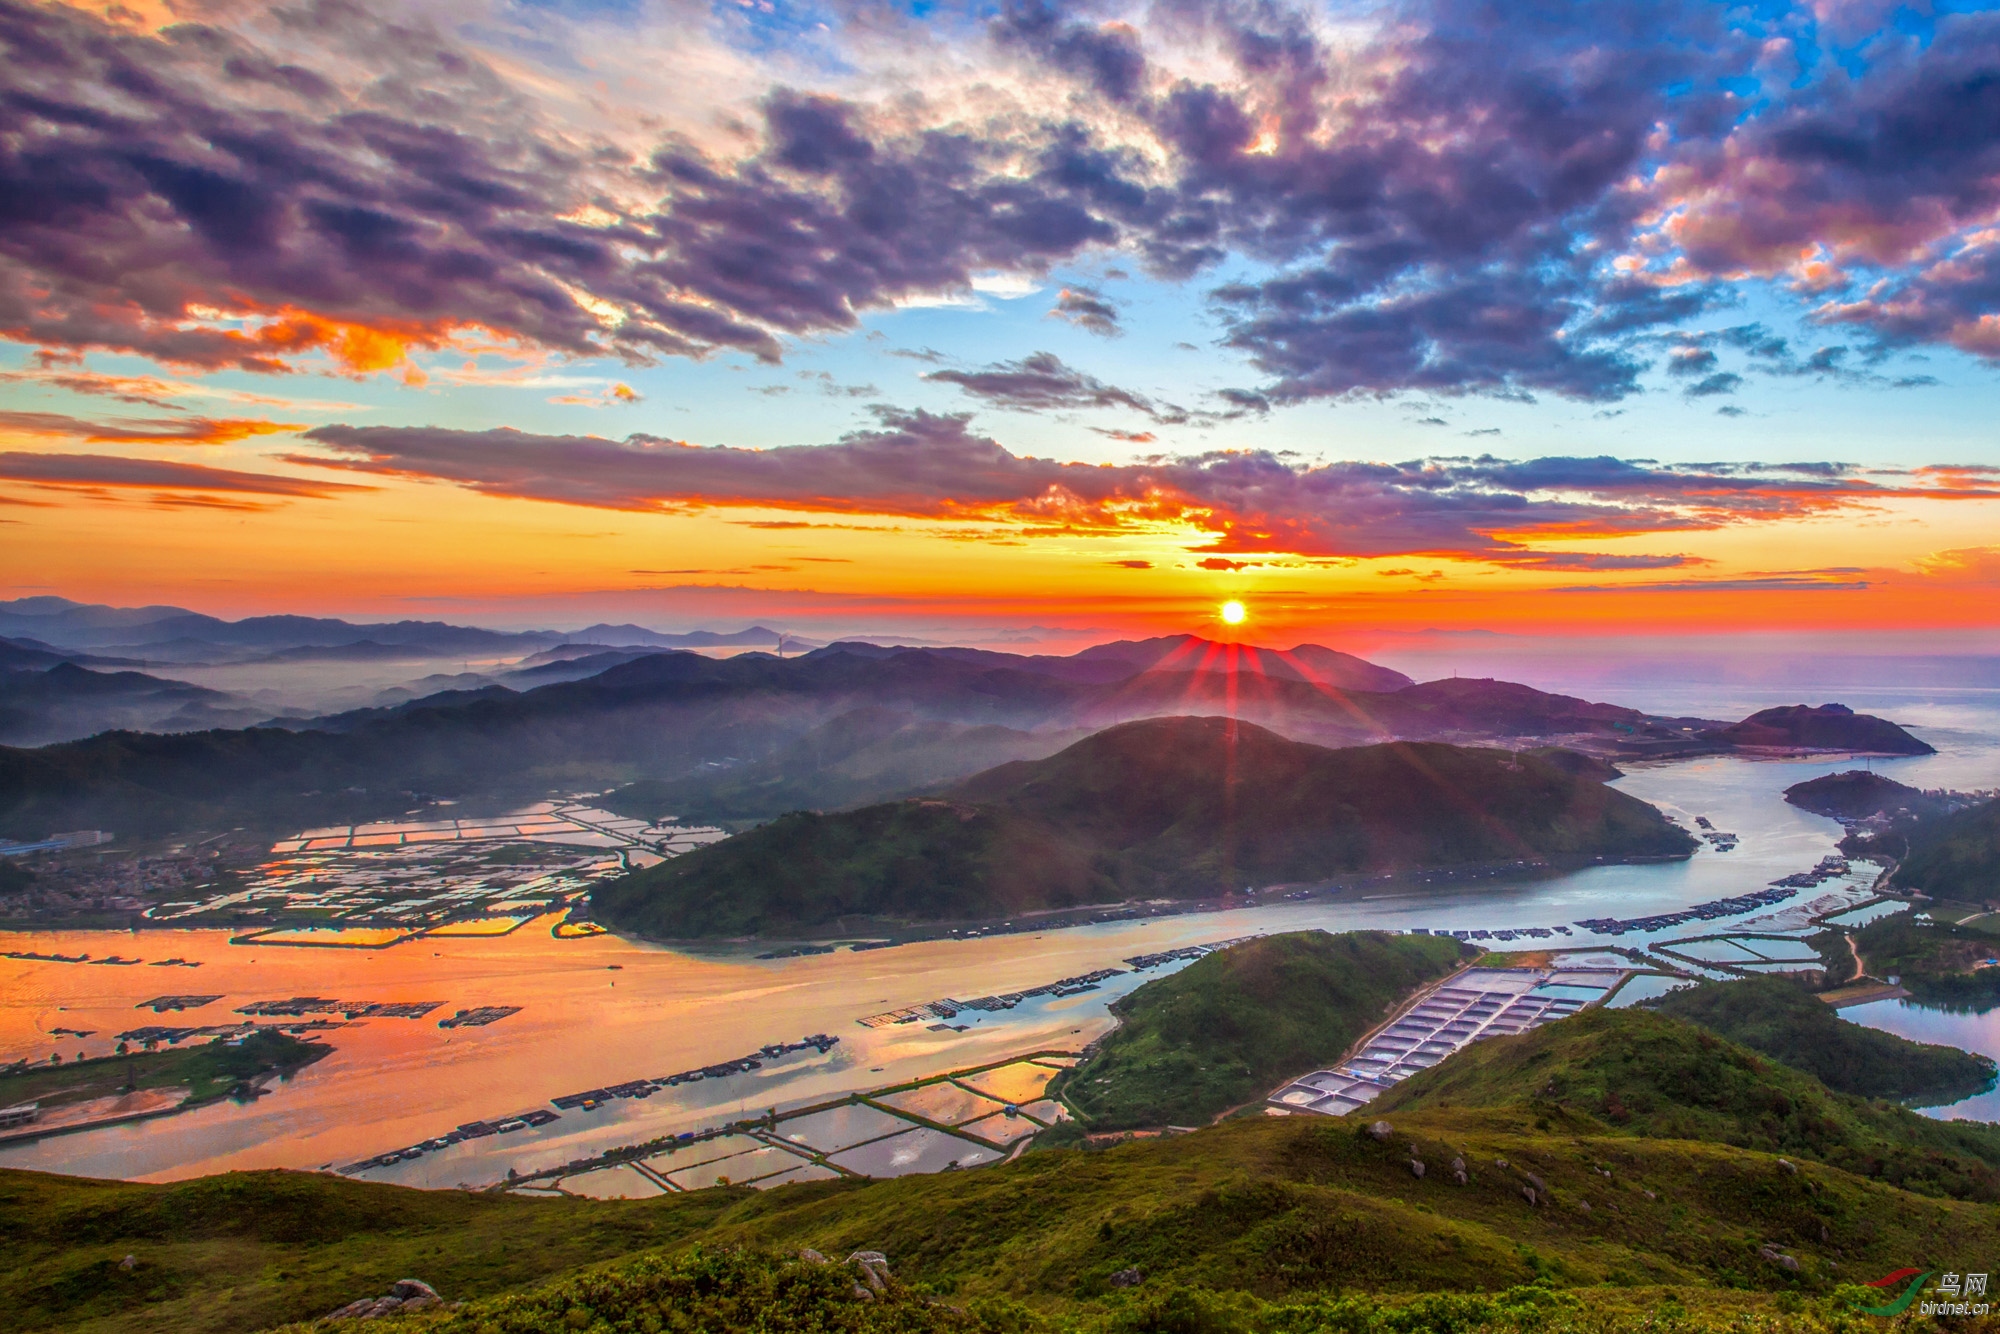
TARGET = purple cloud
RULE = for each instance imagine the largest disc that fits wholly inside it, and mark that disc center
(1086, 308)
(1043, 382)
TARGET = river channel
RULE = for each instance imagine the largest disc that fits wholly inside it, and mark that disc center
(603, 1010)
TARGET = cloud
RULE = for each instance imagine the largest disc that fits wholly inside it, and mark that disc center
(1043, 382)
(1774, 584)
(920, 465)
(1086, 308)
(1443, 196)
(140, 431)
(183, 483)
(1722, 382)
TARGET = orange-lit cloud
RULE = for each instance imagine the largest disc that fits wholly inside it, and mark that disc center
(139, 431)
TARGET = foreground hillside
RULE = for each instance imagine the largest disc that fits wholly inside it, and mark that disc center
(1291, 1212)
(1230, 1027)
(1166, 808)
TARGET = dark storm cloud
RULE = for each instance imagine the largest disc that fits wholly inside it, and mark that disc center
(921, 465)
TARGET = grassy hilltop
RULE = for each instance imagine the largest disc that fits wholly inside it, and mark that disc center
(1228, 1028)
(1651, 1076)
(1165, 808)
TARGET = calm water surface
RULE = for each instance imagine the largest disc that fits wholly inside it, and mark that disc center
(605, 1009)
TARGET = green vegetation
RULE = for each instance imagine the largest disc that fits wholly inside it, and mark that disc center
(1170, 807)
(730, 1290)
(1653, 1076)
(208, 1071)
(1955, 856)
(1784, 1021)
(1935, 961)
(1266, 1224)
(1229, 1027)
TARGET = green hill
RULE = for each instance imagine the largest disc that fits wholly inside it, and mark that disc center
(1650, 1075)
(1229, 1027)
(1956, 856)
(1166, 808)
(1782, 1020)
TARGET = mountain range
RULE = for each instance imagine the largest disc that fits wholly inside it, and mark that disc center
(748, 737)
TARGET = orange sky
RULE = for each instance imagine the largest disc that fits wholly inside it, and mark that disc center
(413, 548)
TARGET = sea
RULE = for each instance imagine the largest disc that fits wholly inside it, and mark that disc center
(604, 1009)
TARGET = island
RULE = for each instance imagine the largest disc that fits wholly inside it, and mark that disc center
(1833, 727)
(52, 1097)
(1181, 808)
(1862, 794)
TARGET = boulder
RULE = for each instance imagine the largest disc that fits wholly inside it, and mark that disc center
(1380, 1131)
(1127, 1278)
(813, 1257)
(405, 1295)
(1416, 1167)
(1779, 1258)
(874, 1267)
(1528, 1194)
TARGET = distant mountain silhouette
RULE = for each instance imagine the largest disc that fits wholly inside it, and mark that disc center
(1165, 808)
(66, 701)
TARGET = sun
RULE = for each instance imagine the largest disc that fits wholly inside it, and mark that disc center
(1233, 613)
